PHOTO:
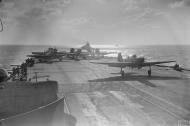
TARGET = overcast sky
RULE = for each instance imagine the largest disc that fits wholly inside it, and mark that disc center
(70, 22)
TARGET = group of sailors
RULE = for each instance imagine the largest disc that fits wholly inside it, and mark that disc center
(20, 71)
(30, 62)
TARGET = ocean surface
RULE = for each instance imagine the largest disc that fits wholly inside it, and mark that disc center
(16, 54)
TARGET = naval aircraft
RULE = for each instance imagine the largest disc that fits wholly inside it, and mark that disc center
(49, 55)
(94, 51)
(132, 62)
(86, 52)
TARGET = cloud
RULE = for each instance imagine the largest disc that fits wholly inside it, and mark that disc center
(33, 8)
(31, 20)
(78, 21)
(35, 12)
(101, 1)
(180, 3)
(148, 14)
(96, 19)
(177, 4)
(141, 9)
(132, 5)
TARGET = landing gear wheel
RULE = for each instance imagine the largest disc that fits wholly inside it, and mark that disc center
(60, 59)
(149, 73)
(40, 60)
(122, 74)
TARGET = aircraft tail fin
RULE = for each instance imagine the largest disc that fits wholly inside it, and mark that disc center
(119, 57)
(87, 47)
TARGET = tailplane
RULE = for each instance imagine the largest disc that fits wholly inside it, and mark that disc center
(119, 57)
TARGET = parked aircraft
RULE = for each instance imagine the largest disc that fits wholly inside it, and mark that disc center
(48, 51)
(49, 55)
(52, 54)
(77, 54)
(86, 52)
(94, 51)
(133, 62)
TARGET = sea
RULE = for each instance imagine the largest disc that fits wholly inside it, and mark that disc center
(16, 54)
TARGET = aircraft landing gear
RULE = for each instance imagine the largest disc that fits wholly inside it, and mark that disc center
(60, 59)
(40, 60)
(122, 73)
(149, 72)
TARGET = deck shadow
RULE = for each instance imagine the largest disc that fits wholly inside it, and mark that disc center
(133, 77)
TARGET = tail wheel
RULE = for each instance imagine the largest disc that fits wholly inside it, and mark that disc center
(149, 73)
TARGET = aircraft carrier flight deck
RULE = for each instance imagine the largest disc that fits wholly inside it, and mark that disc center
(96, 95)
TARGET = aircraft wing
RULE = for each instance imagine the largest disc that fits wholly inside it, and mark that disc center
(38, 53)
(130, 64)
(38, 56)
(164, 66)
(76, 54)
(106, 53)
(114, 64)
(155, 63)
(61, 53)
(46, 56)
(69, 53)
